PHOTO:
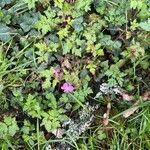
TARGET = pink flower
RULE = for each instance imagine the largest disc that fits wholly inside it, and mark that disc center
(57, 72)
(67, 87)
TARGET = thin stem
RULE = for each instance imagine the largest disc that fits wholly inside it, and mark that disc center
(38, 137)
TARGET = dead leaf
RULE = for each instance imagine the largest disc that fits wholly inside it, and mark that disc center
(127, 97)
(146, 95)
(58, 132)
(67, 64)
(131, 110)
(106, 115)
(108, 107)
(105, 119)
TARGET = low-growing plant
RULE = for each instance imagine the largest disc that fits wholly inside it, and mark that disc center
(58, 55)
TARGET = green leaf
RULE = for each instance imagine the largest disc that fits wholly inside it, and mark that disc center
(136, 4)
(41, 46)
(5, 2)
(59, 3)
(3, 129)
(31, 3)
(4, 33)
(51, 119)
(27, 21)
(32, 107)
(101, 135)
(9, 127)
(52, 99)
(77, 24)
(145, 25)
(63, 33)
(47, 21)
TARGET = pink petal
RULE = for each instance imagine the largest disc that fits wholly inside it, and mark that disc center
(57, 72)
(67, 87)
